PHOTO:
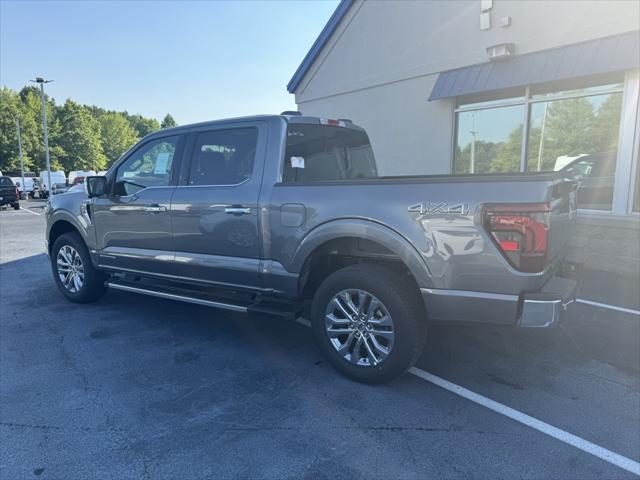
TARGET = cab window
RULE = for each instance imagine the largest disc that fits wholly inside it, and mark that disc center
(149, 166)
(317, 153)
(223, 157)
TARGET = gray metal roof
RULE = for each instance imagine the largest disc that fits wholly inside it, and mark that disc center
(600, 56)
(337, 16)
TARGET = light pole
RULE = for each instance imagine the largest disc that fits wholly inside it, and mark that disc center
(42, 81)
(472, 169)
(473, 132)
(541, 147)
(20, 154)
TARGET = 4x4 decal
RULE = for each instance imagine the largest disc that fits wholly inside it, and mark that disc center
(433, 208)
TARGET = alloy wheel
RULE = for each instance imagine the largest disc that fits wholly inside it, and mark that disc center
(359, 327)
(70, 268)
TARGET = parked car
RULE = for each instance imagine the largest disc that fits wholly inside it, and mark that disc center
(9, 194)
(79, 173)
(59, 188)
(287, 215)
(78, 187)
(57, 178)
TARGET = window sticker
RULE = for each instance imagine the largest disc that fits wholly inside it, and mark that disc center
(297, 162)
(162, 160)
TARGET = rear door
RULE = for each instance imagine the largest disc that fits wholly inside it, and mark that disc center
(133, 223)
(215, 208)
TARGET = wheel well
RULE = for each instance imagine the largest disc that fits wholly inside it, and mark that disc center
(341, 252)
(59, 228)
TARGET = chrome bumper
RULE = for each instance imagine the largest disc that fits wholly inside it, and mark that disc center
(547, 307)
(543, 308)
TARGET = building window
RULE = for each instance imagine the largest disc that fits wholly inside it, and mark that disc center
(575, 130)
(489, 140)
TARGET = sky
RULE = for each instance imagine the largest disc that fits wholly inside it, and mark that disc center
(198, 60)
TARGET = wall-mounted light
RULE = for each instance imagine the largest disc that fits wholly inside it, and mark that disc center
(501, 51)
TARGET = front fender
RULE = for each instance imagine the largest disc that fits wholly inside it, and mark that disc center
(72, 211)
(369, 230)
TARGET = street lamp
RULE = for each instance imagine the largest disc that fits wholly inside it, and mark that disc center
(42, 81)
(472, 168)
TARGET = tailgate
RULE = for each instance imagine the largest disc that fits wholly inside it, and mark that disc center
(8, 191)
(563, 217)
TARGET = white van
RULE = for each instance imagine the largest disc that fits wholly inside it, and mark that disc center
(58, 179)
(25, 190)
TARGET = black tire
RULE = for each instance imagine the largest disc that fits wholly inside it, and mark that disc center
(402, 303)
(16, 206)
(93, 283)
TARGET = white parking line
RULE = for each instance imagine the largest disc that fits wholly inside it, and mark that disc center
(610, 307)
(566, 437)
(27, 210)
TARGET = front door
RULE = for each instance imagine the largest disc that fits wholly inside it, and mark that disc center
(133, 223)
(215, 212)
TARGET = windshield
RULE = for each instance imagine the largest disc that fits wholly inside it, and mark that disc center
(326, 153)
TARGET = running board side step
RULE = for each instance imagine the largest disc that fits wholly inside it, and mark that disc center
(271, 307)
(180, 298)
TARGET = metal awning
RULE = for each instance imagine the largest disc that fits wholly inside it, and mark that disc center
(594, 57)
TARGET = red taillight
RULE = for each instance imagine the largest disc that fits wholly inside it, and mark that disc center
(521, 233)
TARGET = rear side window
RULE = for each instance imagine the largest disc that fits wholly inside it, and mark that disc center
(223, 157)
(317, 153)
(5, 182)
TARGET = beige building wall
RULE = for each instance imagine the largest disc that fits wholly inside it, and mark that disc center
(381, 63)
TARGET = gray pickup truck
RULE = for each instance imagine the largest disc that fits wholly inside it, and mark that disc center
(287, 215)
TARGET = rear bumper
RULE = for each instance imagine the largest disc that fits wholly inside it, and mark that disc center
(543, 308)
(8, 199)
(547, 307)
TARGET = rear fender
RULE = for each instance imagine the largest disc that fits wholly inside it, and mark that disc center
(365, 229)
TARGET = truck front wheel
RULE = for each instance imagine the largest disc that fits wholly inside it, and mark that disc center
(369, 322)
(75, 275)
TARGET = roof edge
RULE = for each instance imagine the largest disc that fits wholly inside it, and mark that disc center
(313, 53)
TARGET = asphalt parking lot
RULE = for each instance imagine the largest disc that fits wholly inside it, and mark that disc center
(136, 387)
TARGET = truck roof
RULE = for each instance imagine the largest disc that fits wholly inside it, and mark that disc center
(289, 118)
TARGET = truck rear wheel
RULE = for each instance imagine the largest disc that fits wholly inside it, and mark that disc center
(369, 323)
(74, 274)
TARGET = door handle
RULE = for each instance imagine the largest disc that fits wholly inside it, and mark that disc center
(237, 210)
(155, 208)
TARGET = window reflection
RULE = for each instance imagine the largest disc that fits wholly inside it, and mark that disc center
(580, 136)
(489, 140)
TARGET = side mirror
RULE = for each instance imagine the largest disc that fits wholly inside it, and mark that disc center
(95, 186)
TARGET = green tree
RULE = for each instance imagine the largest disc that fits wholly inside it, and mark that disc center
(9, 111)
(117, 135)
(168, 122)
(32, 133)
(484, 153)
(143, 126)
(606, 124)
(507, 157)
(80, 138)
